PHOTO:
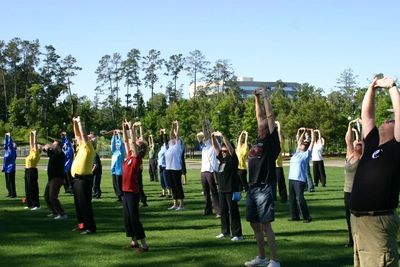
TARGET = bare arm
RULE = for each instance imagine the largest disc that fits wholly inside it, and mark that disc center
(312, 139)
(125, 137)
(349, 140)
(31, 140)
(259, 115)
(214, 142)
(228, 145)
(269, 112)
(395, 97)
(278, 125)
(132, 141)
(301, 138)
(82, 137)
(368, 109)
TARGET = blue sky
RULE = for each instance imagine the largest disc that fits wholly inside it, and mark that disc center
(295, 41)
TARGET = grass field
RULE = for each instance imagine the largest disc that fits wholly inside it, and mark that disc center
(176, 238)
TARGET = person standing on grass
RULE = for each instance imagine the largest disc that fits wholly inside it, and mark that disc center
(280, 175)
(375, 192)
(242, 152)
(55, 175)
(260, 207)
(298, 173)
(152, 160)
(97, 170)
(136, 150)
(228, 184)
(209, 165)
(354, 149)
(117, 160)
(31, 174)
(173, 167)
(10, 156)
(69, 157)
(165, 185)
(82, 174)
(318, 160)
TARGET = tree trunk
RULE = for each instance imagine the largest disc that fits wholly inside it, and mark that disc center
(5, 95)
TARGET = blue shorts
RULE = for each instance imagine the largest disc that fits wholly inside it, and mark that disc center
(260, 206)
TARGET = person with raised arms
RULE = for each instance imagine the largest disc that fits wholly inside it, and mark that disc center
(31, 173)
(375, 193)
(135, 149)
(81, 171)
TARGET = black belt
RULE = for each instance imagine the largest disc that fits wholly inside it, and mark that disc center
(372, 213)
(83, 177)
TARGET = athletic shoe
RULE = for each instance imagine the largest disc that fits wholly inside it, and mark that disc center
(273, 263)
(25, 208)
(61, 217)
(35, 208)
(51, 215)
(180, 208)
(220, 236)
(217, 216)
(257, 262)
(87, 232)
(172, 207)
(307, 220)
(237, 238)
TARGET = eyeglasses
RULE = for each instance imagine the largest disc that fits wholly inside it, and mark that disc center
(389, 121)
(224, 151)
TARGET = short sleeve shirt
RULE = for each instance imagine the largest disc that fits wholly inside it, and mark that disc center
(209, 162)
(130, 174)
(32, 159)
(228, 180)
(83, 162)
(377, 180)
(298, 170)
(242, 154)
(173, 155)
(262, 158)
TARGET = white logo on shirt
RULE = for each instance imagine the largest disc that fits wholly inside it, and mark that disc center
(376, 154)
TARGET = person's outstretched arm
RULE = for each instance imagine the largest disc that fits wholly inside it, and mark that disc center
(349, 139)
(214, 141)
(368, 109)
(268, 111)
(389, 84)
(312, 139)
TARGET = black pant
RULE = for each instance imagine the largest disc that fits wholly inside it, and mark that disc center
(31, 187)
(243, 180)
(319, 172)
(10, 184)
(51, 195)
(117, 184)
(82, 188)
(280, 177)
(174, 178)
(230, 217)
(143, 197)
(210, 193)
(133, 226)
(153, 170)
(296, 200)
(68, 182)
(96, 184)
(347, 212)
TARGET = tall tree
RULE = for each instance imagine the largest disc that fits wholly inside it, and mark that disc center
(347, 85)
(220, 73)
(3, 62)
(30, 60)
(70, 68)
(13, 55)
(195, 65)
(174, 66)
(131, 71)
(151, 64)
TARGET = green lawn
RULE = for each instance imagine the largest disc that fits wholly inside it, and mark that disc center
(183, 238)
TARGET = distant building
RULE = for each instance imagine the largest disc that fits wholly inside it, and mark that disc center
(247, 85)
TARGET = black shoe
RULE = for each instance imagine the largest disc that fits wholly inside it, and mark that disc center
(294, 219)
(307, 220)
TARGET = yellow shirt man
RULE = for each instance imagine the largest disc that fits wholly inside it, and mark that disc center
(32, 159)
(83, 161)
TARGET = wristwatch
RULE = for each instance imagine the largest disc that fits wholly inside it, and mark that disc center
(393, 84)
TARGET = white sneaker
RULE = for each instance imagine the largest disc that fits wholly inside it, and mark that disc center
(61, 217)
(35, 208)
(220, 236)
(273, 263)
(257, 262)
(237, 238)
(180, 208)
(172, 207)
(25, 208)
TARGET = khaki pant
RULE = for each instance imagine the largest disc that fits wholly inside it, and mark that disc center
(375, 243)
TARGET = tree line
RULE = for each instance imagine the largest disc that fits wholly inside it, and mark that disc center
(37, 84)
